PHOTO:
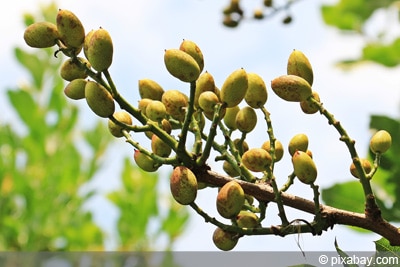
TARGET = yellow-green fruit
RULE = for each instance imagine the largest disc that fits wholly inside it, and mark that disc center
(256, 159)
(380, 142)
(41, 34)
(192, 49)
(247, 219)
(99, 99)
(86, 42)
(70, 28)
(70, 70)
(159, 147)
(229, 169)
(207, 101)
(99, 49)
(142, 104)
(246, 119)
(175, 103)
(298, 142)
(304, 167)
(230, 199)
(278, 152)
(204, 83)
(225, 240)
(150, 89)
(299, 65)
(366, 166)
(258, 13)
(291, 88)
(244, 147)
(181, 65)
(230, 117)
(309, 107)
(183, 185)
(121, 116)
(156, 111)
(256, 95)
(165, 125)
(75, 89)
(234, 88)
(145, 162)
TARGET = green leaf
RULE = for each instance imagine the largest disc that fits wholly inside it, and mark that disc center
(175, 222)
(347, 196)
(343, 255)
(385, 54)
(33, 65)
(383, 245)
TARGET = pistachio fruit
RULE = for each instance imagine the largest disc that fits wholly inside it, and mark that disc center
(70, 70)
(256, 95)
(230, 199)
(309, 107)
(145, 162)
(183, 185)
(99, 49)
(150, 89)
(225, 240)
(234, 88)
(175, 103)
(278, 152)
(304, 167)
(194, 51)
(247, 219)
(207, 101)
(159, 147)
(298, 142)
(181, 65)
(230, 117)
(380, 142)
(41, 34)
(246, 119)
(76, 89)
(291, 88)
(121, 116)
(204, 83)
(366, 166)
(70, 28)
(299, 65)
(256, 159)
(156, 111)
(99, 99)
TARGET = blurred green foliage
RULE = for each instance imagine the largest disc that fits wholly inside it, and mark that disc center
(47, 155)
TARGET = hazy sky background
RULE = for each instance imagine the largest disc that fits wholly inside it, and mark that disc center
(142, 29)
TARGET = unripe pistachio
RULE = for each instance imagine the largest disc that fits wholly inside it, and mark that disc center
(247, 219)
(298, 142)
(256, 95)
(181, 65)
(246, 119)
(76, 89)
(121, 116)
(225, 240)
(41, 34)
(165, 125)
(70, 71)
(366, 166)
(256, 159)
(143, 103)
(204, 83)
(299, 65)
(156, 111)
(291, 88)
(229, 169)
(234, 88)
(100, 49)
(150, 89)
(230, 117)
(70, 28)
(207, 101)
(304, 167)
(86, 43)
(380, 142)
(193, 50)
(308, 107)
(175, 103)
(145, 162)
(244, 147)
(159, 147)
(230, 199)
(278, 149)
(183, 185)
(99, 99)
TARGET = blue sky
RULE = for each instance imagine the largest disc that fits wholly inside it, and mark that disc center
(142, 30)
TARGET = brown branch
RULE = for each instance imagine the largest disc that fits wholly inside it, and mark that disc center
(265, 193)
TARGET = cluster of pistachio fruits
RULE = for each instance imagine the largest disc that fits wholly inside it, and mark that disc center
(167, 117)
(234, 13)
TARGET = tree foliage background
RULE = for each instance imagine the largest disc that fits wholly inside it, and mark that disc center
(46, 117)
